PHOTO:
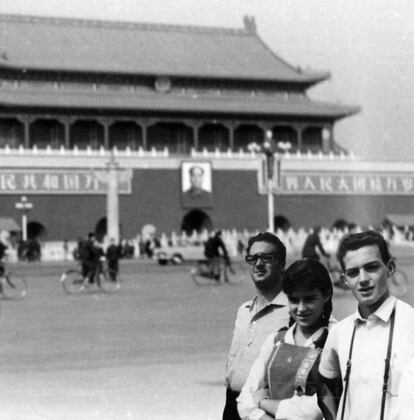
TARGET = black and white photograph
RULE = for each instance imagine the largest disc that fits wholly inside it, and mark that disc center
(207, 209)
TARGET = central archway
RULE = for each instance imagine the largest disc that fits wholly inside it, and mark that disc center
(282, 223)
(36, 230)
(196, 220)
(101, 229)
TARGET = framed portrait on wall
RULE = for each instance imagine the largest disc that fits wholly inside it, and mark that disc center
(196, 184)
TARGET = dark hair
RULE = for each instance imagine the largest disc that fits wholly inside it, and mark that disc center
(316, 229)
(309, 274)
(193, 168)
(271, 239)
(354, 241)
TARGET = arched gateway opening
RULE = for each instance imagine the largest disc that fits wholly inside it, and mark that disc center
(196, 220)
(101, 229)
(282, 223)
(35, 230)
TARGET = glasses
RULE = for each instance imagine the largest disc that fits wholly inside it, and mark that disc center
(264, 257)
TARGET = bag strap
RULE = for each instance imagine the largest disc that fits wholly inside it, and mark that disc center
(280, 335)
(321, 340)
(387, 365)
(348, 368)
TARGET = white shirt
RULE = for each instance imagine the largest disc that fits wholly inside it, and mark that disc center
(406, 393)
(296, 408)
(368, 359)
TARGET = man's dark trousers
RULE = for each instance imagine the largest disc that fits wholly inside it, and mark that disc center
(230, 409)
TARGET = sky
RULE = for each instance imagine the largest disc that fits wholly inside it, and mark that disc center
(366, 45)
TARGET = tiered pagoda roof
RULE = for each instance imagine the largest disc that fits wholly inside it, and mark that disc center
(78, 46)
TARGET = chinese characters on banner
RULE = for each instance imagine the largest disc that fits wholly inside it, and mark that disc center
(44, 181)
(340, 183)
(347, 183)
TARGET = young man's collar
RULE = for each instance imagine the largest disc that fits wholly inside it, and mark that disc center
(383, 312)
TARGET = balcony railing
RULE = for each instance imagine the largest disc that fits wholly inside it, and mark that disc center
(164, 153)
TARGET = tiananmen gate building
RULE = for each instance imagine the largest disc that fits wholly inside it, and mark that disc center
(162, 100)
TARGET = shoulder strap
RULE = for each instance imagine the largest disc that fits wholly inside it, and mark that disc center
(321, 340)
(348, 369)
(280, 335)
(387, 364)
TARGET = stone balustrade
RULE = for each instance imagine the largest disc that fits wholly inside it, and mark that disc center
(165, 153)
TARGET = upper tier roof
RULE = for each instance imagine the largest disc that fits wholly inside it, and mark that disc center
(300, 106)
(58, 44)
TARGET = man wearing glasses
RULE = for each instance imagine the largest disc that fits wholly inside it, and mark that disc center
(369, 349)
(267, 312)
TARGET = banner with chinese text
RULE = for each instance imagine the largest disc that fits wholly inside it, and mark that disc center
(346, 183)
(57, 181)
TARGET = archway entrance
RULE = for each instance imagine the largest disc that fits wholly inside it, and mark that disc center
(196, 220)
(35, 230)
(282, 223)
(101, 229)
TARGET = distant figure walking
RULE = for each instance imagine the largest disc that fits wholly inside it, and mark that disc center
(312, 244)
(113, 254)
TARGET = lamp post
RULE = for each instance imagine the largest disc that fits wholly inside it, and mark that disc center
(273, 151)
(112, 176)
(24, 206)
(112, 199)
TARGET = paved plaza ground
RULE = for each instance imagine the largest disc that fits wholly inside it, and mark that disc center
(155, 350)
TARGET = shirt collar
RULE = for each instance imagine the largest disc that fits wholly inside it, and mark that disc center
(310, 342)
(279, 300)
(383, 312)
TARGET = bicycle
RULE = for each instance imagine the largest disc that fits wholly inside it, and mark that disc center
(74, 282)
(203, 274)
(12, 286)
(336, 275)
(398, 282)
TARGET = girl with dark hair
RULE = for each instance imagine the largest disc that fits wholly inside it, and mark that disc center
(282, 381)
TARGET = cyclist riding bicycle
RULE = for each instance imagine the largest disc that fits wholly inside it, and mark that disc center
(313, 244)
(215, 250)
(90, 254)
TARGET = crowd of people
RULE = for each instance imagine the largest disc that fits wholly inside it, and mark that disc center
(290, 359)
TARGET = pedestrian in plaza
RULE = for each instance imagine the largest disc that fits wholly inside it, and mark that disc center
(256, 319)
(215, 250)
(283, 380)
(113, 254)
(313, 245)
(90, 253)
(370, 348)
(83, 253)
(3, 249)
(65, 249)
(97, 256)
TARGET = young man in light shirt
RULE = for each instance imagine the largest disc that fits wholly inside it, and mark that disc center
(370, 348)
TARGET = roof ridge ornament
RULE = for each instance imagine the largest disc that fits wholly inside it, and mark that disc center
(250, 24)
